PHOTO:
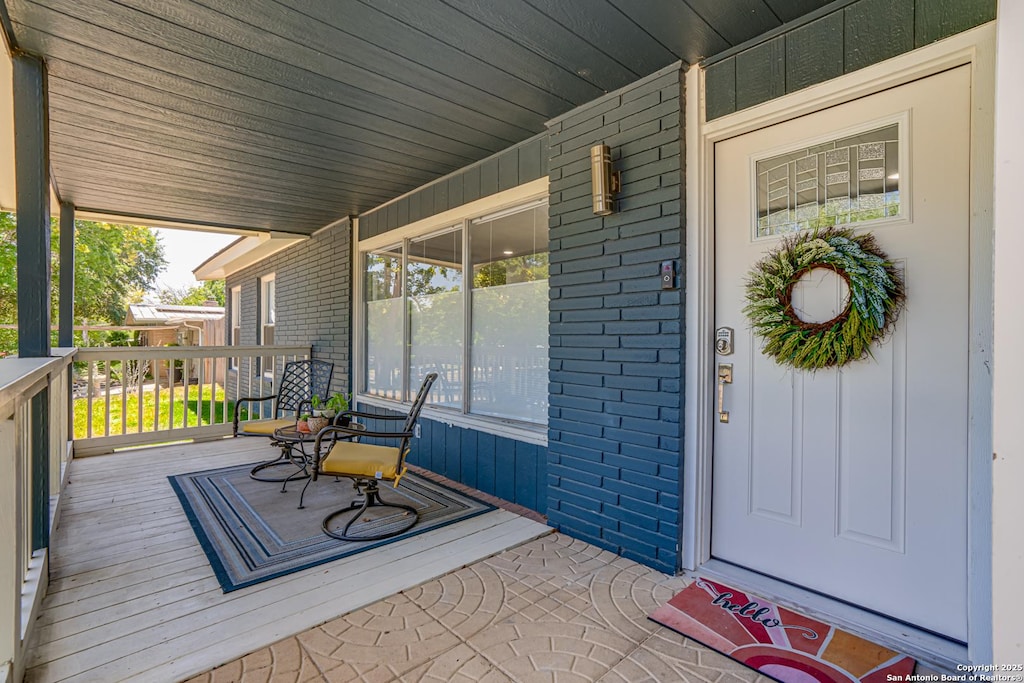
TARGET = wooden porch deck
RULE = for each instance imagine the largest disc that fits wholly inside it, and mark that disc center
(132, 596)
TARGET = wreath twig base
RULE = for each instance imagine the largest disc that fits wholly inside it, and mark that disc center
(875, 301)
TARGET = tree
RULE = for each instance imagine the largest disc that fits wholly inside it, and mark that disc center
(197, 295)
(114, 266)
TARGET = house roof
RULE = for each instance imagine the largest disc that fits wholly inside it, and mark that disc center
(241, 253)
(290, 115)
(163, 314)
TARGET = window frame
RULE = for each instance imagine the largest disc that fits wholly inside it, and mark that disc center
(235, 310)
(267, 309)
(268, 304)
(522, 198)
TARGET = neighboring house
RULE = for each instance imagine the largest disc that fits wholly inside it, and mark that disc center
(181, 326)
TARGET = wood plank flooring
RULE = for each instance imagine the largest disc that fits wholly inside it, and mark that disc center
(133, 598)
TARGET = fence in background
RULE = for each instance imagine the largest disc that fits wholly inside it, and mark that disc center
(134, 396)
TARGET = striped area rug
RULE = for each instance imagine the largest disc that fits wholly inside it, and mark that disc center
(252, 532)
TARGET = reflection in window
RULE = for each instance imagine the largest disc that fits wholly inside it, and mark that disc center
(509, 351)
(436, 315)
(504, 372)
(383, 296)
(848, 180)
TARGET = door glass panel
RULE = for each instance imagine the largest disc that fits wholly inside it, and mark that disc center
(436, 316)
(851, 179)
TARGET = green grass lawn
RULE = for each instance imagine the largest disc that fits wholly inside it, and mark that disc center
(186, 410)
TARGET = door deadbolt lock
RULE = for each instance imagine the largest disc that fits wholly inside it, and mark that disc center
(723, 341)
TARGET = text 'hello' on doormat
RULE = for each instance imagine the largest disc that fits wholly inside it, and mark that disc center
(775, 641)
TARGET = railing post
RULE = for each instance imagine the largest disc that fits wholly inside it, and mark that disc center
(32, 180)
(58, 433)
(10, 563)
(66, 305)
(40, 426)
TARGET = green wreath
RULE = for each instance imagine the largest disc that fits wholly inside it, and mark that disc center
(875, 300)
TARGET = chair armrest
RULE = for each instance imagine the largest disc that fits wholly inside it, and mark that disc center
(238, 405)
(374, 416)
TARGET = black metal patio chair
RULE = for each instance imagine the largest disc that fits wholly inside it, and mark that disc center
(301, 380)
(371, 518)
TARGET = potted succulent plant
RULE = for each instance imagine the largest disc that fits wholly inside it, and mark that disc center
(302, 425)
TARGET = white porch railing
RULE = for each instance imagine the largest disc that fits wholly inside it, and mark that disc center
(133, 396)
(33, 417)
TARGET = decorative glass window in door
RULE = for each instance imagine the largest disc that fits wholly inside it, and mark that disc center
(851, 179)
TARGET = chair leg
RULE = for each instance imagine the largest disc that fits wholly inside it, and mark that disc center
(287, 457)
(371, 499)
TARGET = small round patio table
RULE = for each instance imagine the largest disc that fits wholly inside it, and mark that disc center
(293, 443)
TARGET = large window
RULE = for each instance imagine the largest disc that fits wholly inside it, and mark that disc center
(469, 302)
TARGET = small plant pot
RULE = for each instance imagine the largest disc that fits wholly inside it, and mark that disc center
(317, 423)
(302, 426)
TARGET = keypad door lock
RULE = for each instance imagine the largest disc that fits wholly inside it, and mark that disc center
(723, 341)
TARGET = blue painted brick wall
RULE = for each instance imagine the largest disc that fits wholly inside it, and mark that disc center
(615, 417)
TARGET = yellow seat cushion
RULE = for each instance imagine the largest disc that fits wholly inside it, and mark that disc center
(362, 460)
(264, 427)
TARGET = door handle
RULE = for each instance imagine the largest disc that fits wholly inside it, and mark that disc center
(724, 377)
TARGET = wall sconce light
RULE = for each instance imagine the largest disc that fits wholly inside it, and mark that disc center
(605, 182)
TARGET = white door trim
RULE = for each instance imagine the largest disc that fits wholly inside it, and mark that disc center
(975, 47)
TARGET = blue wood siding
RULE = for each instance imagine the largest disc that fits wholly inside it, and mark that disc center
(511, 167)
(512, 470)
(829, 44)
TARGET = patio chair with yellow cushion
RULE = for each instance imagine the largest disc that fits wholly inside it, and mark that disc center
(301, 380)
(370, 518)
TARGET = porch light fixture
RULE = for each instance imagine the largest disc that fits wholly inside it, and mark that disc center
(605, 182)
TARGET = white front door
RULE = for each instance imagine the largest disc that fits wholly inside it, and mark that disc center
(853, 482)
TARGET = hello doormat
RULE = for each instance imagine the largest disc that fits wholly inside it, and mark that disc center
(780, 643)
